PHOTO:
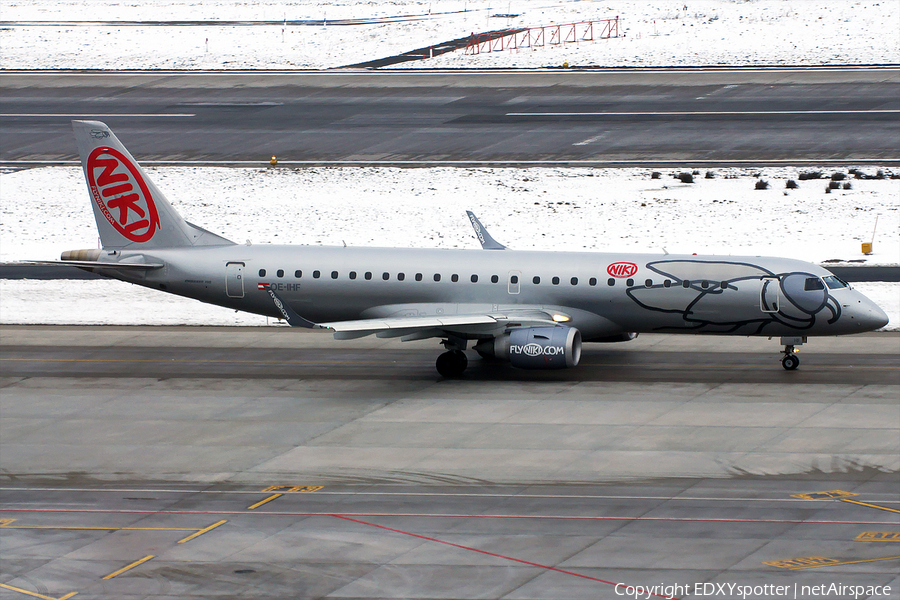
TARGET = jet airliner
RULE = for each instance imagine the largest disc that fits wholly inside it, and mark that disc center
(531, 309)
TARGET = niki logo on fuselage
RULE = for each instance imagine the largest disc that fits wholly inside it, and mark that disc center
(117, 185)
(621, 270)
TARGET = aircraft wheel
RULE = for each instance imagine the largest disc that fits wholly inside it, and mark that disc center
(452, 364)
(790, 362)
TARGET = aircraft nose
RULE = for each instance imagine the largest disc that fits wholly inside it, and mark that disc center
(868, 316)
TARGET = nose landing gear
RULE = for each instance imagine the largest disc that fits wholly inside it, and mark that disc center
(791, 361)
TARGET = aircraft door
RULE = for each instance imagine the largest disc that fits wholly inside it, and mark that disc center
(234, 279)
(768, 294)
(514, 277)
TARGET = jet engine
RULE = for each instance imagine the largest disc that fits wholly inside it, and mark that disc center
(536, 347)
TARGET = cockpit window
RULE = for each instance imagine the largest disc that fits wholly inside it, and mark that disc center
(813, 283)
(835, 283)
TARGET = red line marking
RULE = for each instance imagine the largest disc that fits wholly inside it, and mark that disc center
(494, 554)
(433, 515)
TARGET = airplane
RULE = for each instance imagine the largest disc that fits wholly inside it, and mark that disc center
(532, 309)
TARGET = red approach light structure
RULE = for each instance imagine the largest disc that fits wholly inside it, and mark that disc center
(547, 35)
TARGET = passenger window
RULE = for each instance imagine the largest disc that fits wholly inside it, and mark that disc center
(352, 274)
(474, 278)
(704, 284)
(610, 282)
(298, 274)
(494, 279)
(514, 279)
(667, 283)
(262, 272)
(385, 275)
(280, 272)
(574, 281)
(592, 281)
(368, 275)
(418, 277)
(401, 276)
(316, 274)
(454, 278)
(686, 283)
(334, 274)
(812, 284)
(648, 283)
(630, 282)
(535, 280)
(555, 281)
(724, 285)
(437, 276)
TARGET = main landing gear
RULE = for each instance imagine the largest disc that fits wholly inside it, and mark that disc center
(791, 361)
(453, 362)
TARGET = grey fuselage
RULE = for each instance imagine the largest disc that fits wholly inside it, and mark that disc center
(601, 294)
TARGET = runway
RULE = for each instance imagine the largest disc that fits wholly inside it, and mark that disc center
(189, 462)
(605, 117)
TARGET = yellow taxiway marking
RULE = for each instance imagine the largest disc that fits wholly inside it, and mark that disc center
(878, 536)
(6, 522)
(871, 505)
(824, 495)
(202, 531)
(261, 502)
(847, 562)
(131, 566)
(802, 563)
(36, 595)
(293, 489)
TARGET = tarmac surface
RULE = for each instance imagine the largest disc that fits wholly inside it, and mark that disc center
(149, 462)
(692, 117)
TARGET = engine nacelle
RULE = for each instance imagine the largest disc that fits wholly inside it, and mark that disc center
(536, 348)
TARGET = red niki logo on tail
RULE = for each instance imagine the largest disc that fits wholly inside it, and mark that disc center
(622, 269)
(117, 185)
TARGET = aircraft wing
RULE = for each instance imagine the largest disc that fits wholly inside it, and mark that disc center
(413, 328)
(487, 242)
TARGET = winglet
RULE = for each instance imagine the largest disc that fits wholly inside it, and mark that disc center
(292, 318)
(487, 242)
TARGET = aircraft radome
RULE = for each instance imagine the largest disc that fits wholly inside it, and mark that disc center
(532, 309)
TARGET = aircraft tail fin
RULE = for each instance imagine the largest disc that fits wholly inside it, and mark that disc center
(131, 212)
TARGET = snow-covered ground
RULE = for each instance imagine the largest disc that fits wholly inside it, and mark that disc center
(45, 211)
(655, 33)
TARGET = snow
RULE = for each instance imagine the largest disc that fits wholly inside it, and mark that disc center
(45, 211)
(656, 33)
